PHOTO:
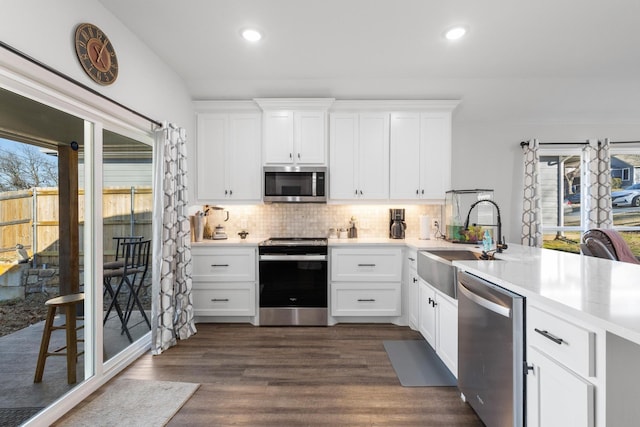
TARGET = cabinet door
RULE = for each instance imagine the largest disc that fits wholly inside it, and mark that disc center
(435, 155)
(447, 341)
(373, 156)
(404, 155)
(428, 313)
(278, 137)
(555, 395)
(243, 160)
(343, 148)
(310, 137)
(414, 300)
(211, 135)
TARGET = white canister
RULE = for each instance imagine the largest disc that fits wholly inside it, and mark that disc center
(343, 234)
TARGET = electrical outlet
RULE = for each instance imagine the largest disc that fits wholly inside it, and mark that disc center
(435, 223)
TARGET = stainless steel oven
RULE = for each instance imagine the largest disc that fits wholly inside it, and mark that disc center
(293, 281)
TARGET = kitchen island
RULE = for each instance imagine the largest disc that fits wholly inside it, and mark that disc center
(582, 333)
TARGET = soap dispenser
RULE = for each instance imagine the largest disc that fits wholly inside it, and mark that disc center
(486, 241)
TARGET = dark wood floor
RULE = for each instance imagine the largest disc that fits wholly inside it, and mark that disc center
(268, 376)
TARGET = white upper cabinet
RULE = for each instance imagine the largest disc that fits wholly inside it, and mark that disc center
(420, 160)
(359, 164)
(295, 131)
(228, 162)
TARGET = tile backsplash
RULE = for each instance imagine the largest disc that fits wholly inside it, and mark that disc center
(314, 220)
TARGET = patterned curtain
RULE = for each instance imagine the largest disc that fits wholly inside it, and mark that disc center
(599, 213)
(531, 207)
(172, 310)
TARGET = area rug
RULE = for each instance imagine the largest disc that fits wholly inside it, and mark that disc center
(128, 402)
(16, 416)
(417, 364)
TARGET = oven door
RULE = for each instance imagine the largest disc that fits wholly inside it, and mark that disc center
(293, 281)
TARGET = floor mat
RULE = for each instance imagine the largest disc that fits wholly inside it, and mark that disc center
(11, 417)
(417, 364)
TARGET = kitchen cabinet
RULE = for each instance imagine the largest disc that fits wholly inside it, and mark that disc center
(366, 282)
(224, 281)
(359, 146)
(439, 324)
(411, 289)
(295, 131)
(228, 163)
(420, 155)
(561, 360)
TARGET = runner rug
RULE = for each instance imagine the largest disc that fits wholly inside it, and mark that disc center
(129, 402)
(417, 364)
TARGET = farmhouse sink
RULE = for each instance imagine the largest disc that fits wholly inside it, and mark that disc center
(435, 267)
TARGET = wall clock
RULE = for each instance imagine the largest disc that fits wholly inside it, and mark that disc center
(96, 54)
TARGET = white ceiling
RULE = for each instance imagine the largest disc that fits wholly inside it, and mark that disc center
(524, 59)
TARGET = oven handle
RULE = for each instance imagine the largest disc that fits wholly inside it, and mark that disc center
(489, 305)
(293, 258)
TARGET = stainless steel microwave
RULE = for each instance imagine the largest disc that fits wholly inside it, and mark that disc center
(290, 184)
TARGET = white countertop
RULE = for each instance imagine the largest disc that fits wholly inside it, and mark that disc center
(599, 291)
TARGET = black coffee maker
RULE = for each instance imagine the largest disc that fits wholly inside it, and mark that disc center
(396, 223)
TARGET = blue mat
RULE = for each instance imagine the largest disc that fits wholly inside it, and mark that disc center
(417, 364)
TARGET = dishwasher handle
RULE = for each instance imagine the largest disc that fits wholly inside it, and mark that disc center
(489, 305)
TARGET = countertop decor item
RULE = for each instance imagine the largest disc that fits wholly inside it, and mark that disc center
(96, 54)
(243, 234)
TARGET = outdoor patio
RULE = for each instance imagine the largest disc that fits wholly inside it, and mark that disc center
(20, 397)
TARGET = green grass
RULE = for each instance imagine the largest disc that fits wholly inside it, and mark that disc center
(570, 242)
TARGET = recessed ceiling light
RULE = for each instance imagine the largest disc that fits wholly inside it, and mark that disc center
(251, 35)
(455, 33)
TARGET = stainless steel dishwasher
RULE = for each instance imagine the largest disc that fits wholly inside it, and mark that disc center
(491, 350)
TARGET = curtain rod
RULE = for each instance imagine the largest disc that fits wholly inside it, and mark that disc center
(526, 143)
(75, 82)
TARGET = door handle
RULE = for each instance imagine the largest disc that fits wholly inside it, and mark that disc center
(219, 265)
(366, 300)
(547, 335)
(366, 265)
(489, 305)
(220, 300)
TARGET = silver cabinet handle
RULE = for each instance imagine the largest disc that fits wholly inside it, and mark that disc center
(366, 300)
(366, 265)
(220, 300)
(298, 155)
(219, 265)
(411, 259)
(547, 335)
(290, 156)
(415, 280)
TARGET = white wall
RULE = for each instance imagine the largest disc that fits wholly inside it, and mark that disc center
(44, 30)
(488, 155)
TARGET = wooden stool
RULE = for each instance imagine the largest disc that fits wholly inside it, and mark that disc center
(68, 302)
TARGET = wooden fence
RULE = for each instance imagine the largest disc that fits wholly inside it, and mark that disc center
(30, 217)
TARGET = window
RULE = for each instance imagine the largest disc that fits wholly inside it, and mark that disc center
(625, 194)
(560, 178)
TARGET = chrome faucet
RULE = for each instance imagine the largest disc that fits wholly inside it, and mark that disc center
(500, 244)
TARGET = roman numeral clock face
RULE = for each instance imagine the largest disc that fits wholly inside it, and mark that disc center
(96, 54)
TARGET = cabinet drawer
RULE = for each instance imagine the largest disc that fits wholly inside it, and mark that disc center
(224, 265)
(366, 265)
(373, 299)
(224, 299)
(569, 344)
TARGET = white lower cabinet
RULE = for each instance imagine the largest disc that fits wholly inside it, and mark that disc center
(224, 299)
(557, 396)
(439, 324)
(561, 379)
(366, 282)
(411, 289)
(372, 299)
(224, 281)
